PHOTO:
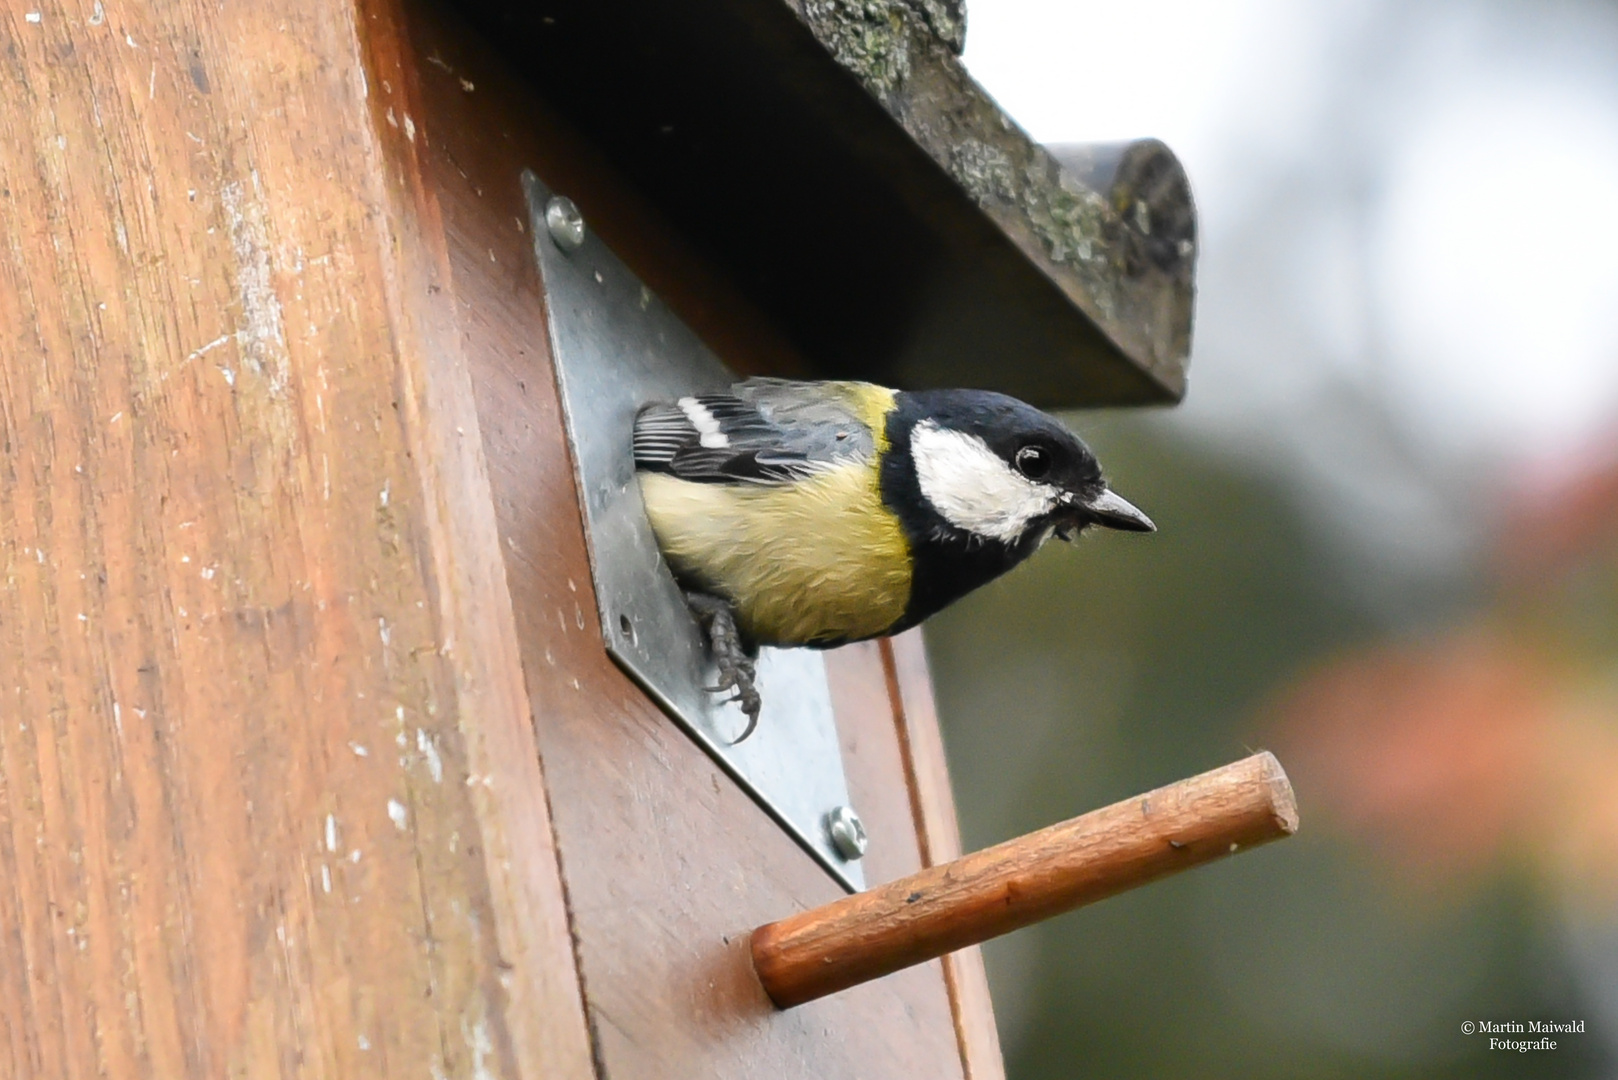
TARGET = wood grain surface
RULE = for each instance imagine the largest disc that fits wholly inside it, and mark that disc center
(911, 687)
(264, 745)
(1022, 881)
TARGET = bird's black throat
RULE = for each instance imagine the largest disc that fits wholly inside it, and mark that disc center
(947, 562)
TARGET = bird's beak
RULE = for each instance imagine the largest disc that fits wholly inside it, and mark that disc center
(1112, 511)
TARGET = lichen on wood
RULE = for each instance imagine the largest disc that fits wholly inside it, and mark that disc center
(1137, 288)
(946, 19)
(985, 171)
(867, 37)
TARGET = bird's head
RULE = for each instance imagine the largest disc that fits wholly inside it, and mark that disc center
(998, 470)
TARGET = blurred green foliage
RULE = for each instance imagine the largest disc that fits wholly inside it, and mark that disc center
(1093, 674)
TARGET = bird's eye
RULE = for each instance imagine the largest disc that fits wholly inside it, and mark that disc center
(1034, 462)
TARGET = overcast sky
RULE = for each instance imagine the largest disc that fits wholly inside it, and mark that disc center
(1417, 199)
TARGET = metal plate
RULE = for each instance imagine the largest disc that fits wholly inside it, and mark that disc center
(617, 347)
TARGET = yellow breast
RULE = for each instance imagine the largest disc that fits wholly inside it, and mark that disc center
(816, 561)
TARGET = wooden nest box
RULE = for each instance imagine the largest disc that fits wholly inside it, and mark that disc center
(341, 733)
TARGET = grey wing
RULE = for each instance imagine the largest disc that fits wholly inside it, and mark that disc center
(766, 431)
(816, 418)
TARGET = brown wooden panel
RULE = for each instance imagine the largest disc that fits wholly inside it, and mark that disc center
(254, 640)
(906, 660)
(541, 1007)
(874, 761)
(668, 865)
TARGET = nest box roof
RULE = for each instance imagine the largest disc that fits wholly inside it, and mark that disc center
(835, 157)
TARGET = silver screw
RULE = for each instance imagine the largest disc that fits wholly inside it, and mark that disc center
(847, 832)
(565, 223)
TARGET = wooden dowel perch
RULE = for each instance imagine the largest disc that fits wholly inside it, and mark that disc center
(1022, 881)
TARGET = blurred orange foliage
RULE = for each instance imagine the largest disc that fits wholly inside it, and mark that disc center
(1496, 738)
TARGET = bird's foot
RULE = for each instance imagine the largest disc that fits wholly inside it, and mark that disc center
(737, 670)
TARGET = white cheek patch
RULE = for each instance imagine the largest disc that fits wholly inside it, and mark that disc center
(972, 488)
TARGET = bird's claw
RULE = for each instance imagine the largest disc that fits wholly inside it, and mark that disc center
(736, 669)
(751, 704)
(736, 672)
(727, 681)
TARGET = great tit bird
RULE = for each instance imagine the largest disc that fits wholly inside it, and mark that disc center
(820, 513)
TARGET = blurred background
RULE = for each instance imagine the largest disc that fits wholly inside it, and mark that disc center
(1388, 548)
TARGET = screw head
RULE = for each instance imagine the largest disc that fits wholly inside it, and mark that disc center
(847, 832)
(565, 223)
